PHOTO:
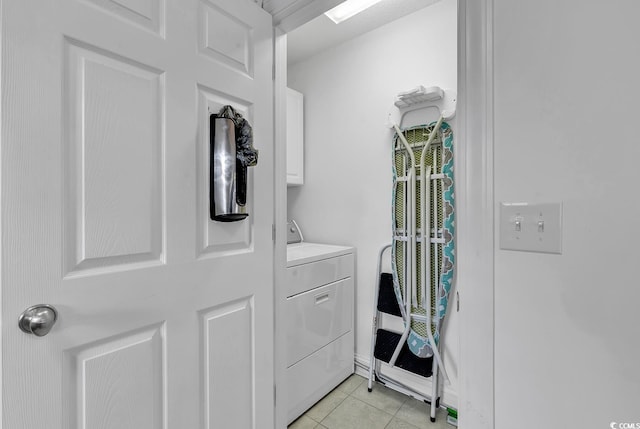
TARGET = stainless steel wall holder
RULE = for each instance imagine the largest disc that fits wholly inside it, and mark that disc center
(225, 205)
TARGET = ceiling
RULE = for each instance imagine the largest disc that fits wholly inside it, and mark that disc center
(290, 14)
(321, 33)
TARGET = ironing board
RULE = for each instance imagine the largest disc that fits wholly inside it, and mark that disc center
(436, 268)
(422, 248)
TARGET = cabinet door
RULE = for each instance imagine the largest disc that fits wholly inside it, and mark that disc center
(295, 138)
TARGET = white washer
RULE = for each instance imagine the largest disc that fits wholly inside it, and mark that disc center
(319, 322)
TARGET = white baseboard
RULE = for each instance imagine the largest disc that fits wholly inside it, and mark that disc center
(421, 385)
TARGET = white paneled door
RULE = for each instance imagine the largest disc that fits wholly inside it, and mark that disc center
(165, 318)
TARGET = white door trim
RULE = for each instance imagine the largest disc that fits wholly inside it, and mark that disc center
(476, 214)
(289, 15)
(280, 206)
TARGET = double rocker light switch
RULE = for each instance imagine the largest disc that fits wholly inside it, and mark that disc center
(531, 227)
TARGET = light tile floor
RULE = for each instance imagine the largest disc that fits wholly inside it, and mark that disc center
(351, 406)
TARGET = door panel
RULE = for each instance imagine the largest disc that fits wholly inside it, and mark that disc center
(113, 106)
(215, 238)
(225, 38)
(148, 14)
(105, 200)
(132, 362)
(228, 384)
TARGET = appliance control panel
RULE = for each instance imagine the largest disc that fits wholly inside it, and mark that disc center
(293, 232)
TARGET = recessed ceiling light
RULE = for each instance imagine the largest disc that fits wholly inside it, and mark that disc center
(349, 8)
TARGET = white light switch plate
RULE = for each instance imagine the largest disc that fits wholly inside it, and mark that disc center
(531, 227)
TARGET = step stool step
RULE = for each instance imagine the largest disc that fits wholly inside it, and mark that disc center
(386, 342)
(387, 301)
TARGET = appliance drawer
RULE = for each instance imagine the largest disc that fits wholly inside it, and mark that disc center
(304, 277)
(313, 377)
(317, 317)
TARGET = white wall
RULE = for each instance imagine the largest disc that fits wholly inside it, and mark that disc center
(567, 91)
(349, 91)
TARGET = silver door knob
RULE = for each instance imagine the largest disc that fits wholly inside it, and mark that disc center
(38, 320)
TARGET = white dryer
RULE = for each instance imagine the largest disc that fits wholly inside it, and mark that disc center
(319, 321)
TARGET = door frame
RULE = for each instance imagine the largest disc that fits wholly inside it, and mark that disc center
(475, 113)
(280, 220)
(475, 215)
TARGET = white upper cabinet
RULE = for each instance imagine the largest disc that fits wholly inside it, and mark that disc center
(295, 138)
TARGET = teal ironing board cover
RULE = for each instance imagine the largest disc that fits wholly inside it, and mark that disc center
(440, 157)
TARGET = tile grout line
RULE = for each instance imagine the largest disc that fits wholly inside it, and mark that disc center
(333, 409)
(404, 401)
(365, 403)
(337, 405)
(373, 406)
(394, 416)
